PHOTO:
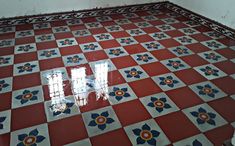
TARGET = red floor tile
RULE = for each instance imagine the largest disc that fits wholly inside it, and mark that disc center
(8, 71)
(226, 66)
(175, 33)
(109, 44)
(51, 63)
(228, 53)
(85, 39)
(143, 38)
(163, 54)
(25, 57)
(95, 56)
(123, 62)
(70, 50)
(5, 101)
(168, 43)
(194, 60)
(29, 81)
(26, 40)
(63, 35)
(226, 84)
(134, 49)
(46, 45)
(156, 68)
(197, 48)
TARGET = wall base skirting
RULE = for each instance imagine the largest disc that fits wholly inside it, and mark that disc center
(229, 32)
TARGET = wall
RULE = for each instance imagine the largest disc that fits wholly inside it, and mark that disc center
(12, 8)
(222, 11)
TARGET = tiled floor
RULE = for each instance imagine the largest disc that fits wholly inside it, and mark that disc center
(144, 78)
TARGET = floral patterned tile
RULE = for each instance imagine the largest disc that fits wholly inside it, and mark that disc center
(111, 66)
(152, 46)
(191, 23)
(146, 133)
(5, 121)
(25, 97)
(159, 104)
(165, 27)
(25, 33)
(93, 25)
(60, 108)
(136, 32)
(130, 15)
(25, 48)
(101, 121)
(155, 12)
(81, 33)
(26, 68)
(233, 48)
(122, 21)
(127, 41)
(144, 58)
(33, 136)
(7, 43)
(233, 96)
(204, 117)
(149, 18)
(60, 29)
(168, 81)
(6, 60)
(74, 22)
(197, 140)
(159, 36)
(116, 52)
(143, 24)
(5, 85)
(66, 42)
(207, 91)
(88, 47)
(41, 26)
(44, 38)
(170, 20)
(104, 19)
(212, 56)
(75, 59)
(7, 29)
(48, 54)
(233, 60)
(133, 73)
(213, 44)
(84, 142)
(185, 40)
(189, 31)
(210, 71)
(175, 64)
(103, 37)
(181, 51)
(214, 35)
(114, 28)
(48, 73)
(233, 76)
(120, 93)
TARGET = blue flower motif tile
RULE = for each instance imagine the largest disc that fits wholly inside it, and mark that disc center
(152, 46)
(213, 45)
(48, 54)
(66, 42)
(207, 91)
(7, 29)
(191, 23)
(113, 28)
(185, 40)
(214, 35)
(146, 133)
(175, 64)
(38, 26)
(165, 27)
(88, 47)
(149, 18)
(44, 38)
(116, 52)
(93, 25)
(72, 22)
(143, 24)
(133, 73)
(204, 117)
(6, 60)
(159, 104)
(25, 48)
(181, 51)
(5, 85)
(81, 33)
(122, 21)
(24, 33)
(26, 68)
(28, 96)
(61, 108)
(136, 32)
(127, 41)
(33, 136)
(212, 56)
(101, 121)
(73, 60)
(103, 18)
(210, 71)
(189, 31)
(103, 37)
(159, 36)
(120, 93)
(144, 58)
(197, 140)
(60, 29)
(170, 20)
(7, 43)
(130, 15)
(5, 121)
(168, 81)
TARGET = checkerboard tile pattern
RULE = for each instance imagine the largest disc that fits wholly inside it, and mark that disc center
(165, 72)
